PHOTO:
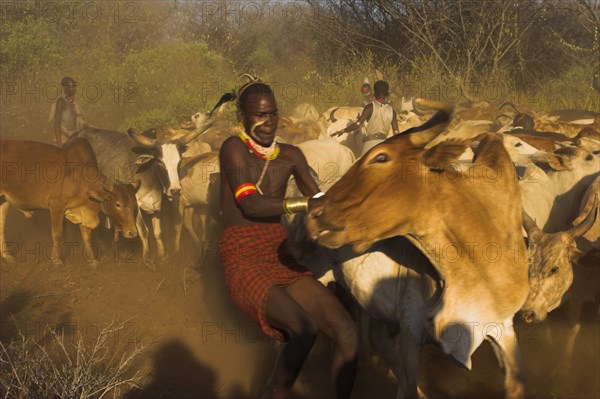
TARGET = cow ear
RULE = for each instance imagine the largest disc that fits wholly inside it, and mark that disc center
(443, 154)
(556, 162)
(553, 161)
(143, 158)
(576, 255)
(181, 147)
(97, 195)
(136, 184)
(143, 162)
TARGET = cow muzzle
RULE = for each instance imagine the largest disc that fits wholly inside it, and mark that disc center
(531, 316)
(317, 224)
(131, 233)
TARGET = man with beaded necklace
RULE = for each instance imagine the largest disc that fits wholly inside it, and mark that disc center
(263, 279)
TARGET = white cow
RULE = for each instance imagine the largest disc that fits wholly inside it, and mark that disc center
(552, 199)
(336, 113)
(564, 203)
(200, 187)
(328, 158)
(352, 140)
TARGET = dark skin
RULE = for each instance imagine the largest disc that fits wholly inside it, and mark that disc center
(305, 307)
(366, 114)
(61, 134)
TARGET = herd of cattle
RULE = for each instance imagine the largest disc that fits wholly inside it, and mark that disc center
(473, 214)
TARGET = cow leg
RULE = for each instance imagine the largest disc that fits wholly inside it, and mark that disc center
(143, 233)
(564, 365)
(4, 205)
(178, 224)
(157, 231)
(57, 218)
(508, 354)
(188, 217)
(88, 249)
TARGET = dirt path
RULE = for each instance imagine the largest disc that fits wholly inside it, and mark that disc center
(198, 345)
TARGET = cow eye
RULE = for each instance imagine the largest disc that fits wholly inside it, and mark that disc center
(554, 270)
(596, 152)
(118, 205)
(379, 158)
(518, 145)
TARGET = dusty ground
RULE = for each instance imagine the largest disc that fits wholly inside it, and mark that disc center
(198, 345)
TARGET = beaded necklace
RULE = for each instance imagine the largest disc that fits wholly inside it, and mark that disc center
(265, 153)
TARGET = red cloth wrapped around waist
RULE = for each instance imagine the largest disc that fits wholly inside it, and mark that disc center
(254, 259)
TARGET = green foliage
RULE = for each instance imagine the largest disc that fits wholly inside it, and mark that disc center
(571, 90)
(150, 63)
(174, 79)
(27, 48)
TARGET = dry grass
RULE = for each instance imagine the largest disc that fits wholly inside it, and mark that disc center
(63, 367)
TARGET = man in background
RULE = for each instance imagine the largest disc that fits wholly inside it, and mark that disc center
(380, 117)
(66, 113)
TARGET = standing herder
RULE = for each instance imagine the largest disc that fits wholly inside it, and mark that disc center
(263, 279)
(379, 114)
(66, 113)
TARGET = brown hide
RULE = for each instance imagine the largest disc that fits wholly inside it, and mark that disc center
(392, 190)
(66, 181)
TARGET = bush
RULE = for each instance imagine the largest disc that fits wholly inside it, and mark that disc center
(28, 47)
(59, 370)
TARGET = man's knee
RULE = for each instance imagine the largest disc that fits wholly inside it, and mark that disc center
(303, 329)
(346, 336)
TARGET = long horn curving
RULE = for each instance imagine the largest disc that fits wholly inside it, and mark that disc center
(508, 103)
(197, 132)
(140, 139)
(503, 116)
(580, 229)
(530, 225)
(229, 96)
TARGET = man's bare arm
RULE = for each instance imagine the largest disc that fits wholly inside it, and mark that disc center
(366, 114)
(235, 167)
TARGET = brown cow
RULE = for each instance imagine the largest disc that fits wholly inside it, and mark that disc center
(67, 182)
(455, 218)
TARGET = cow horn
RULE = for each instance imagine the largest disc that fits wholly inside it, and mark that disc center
(140, 139)
(511, 105)
(503, 116)
(229, 96)
(580, 229)
(197, 132)
(530, 226)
